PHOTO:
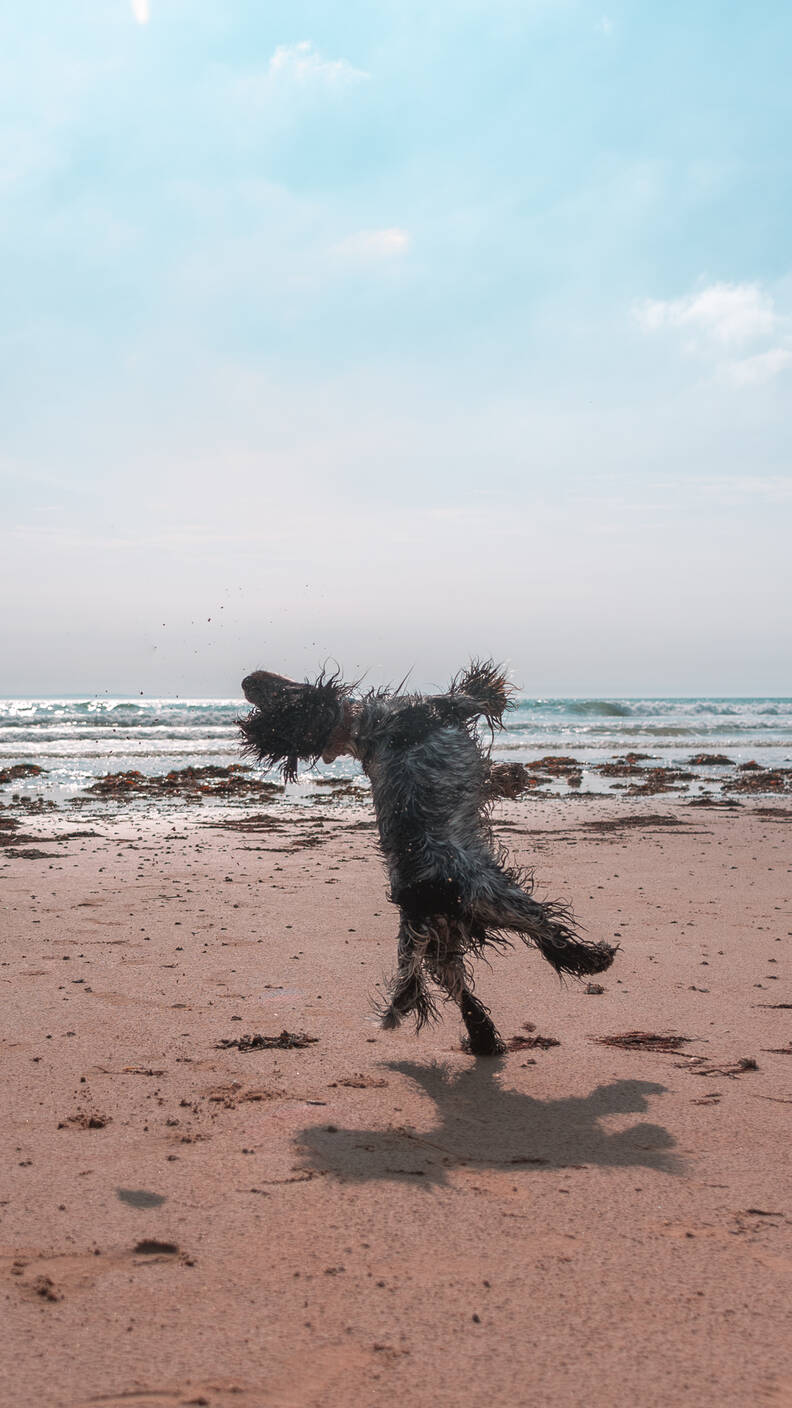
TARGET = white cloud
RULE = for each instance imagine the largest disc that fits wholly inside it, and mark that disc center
(302, 63)
(754, 371)
(605, 24)
(140, 9)
(727, 313)
(719, 323)
(376, 244)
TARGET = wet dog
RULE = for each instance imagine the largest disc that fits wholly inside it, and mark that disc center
(433, 784)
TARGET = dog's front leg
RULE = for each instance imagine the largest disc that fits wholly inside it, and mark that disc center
(408, 990)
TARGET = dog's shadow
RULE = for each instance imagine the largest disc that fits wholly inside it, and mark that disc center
(483, 1125)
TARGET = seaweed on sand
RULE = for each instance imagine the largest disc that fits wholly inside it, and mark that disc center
(645, 1041)
(286, 1041)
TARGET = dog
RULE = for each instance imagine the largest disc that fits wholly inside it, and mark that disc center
(433, 784)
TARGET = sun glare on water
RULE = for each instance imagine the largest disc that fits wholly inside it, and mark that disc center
(140, 9)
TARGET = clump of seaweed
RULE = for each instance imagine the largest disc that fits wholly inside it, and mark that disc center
(754, 778)
(701, 1067)
(18, 771)
(527, 1043)
(198, 782)
(645, 1041)
(285, 1041)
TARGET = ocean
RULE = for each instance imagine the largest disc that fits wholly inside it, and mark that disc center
(77, 739)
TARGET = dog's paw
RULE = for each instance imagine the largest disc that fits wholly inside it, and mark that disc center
(484, 1045)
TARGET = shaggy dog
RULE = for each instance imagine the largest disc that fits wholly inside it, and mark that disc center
(432, 784)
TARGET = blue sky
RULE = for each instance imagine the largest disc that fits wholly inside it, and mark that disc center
(395, 333)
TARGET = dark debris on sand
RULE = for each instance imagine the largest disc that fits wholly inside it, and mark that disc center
(715, 803)
(23, 845)
(32, 806)
(555, 765)
(753, 778)
(632, 774)
(150, 1246)
(195, 782)
(645, 1041)
(700, 1066)
(18, 771)
(527, 1043)
(286, 1041)
(661, 780)
(86, 1119)
(623, 823)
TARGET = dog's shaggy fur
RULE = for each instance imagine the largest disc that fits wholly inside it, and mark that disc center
(432, 784)
(291, 722)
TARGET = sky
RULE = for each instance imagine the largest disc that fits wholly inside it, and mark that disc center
(390, 334)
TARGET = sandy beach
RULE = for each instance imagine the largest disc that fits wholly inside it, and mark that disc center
(368, 1217)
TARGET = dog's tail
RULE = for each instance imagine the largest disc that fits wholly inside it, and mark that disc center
(486, 683)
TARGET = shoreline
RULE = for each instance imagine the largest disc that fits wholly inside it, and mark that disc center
(700, 778)
(78, 740)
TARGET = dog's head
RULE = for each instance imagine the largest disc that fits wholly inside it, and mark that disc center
(291, 722)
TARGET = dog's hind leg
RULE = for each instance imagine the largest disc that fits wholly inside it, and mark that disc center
(448, 968)
(505, 905)
(408, 991)
(483, 1038)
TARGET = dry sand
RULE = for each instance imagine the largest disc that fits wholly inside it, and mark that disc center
(378, 1218)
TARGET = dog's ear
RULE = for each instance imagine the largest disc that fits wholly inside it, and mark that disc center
(290, 722)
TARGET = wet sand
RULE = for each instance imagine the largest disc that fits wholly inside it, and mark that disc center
(374, 1217)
